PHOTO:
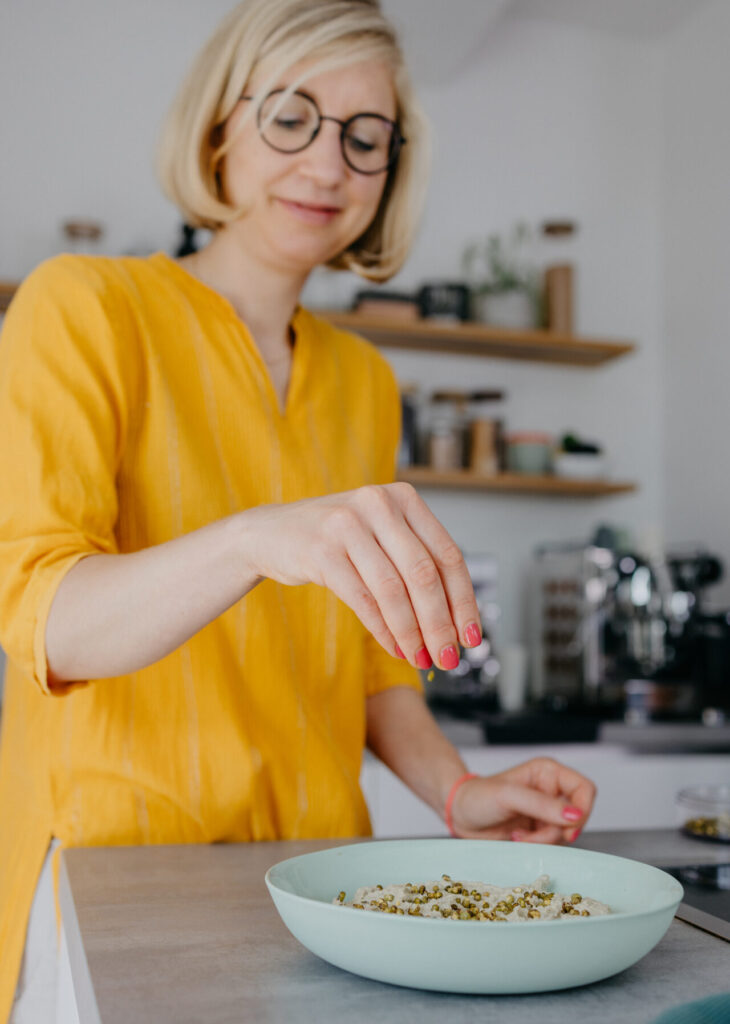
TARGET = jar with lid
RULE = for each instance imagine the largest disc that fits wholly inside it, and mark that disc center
(447, 430)
(485, 434)
(82, 236)
(559, 277)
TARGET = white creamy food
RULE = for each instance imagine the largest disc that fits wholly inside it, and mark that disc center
(474, 901)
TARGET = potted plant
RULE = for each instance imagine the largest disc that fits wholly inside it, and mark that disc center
(505, 286)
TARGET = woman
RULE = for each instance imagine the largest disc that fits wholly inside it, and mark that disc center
(211, 594)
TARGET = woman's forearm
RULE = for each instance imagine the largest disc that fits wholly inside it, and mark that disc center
(114, 614)
(403, 733)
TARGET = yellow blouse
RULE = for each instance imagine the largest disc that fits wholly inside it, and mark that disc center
(135, 407)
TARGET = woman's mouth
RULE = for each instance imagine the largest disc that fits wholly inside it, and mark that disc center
(309, 212)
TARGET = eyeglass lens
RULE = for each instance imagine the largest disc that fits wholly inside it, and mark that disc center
(290, 125)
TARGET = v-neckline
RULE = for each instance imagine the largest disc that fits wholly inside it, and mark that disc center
(300, 349)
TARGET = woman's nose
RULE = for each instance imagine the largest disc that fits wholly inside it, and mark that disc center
(323, 158)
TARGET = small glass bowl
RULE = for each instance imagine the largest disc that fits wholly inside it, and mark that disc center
(704, 812)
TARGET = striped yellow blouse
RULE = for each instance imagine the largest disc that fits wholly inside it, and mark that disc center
(135, 407)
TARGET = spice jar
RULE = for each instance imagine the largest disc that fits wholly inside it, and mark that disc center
(446, 431)
(484, 433)
(82, 236)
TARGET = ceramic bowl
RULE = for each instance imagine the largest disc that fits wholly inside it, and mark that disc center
(474, 956)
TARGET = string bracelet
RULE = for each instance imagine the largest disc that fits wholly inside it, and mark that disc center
(450, 801)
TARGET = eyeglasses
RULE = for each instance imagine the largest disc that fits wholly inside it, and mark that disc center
(370, 142)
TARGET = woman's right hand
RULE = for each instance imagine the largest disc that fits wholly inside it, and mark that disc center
(382, 551)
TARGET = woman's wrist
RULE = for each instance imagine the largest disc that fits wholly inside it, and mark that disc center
(451, 799)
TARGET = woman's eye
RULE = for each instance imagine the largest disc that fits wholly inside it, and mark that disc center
(290, 123)
(361, 145)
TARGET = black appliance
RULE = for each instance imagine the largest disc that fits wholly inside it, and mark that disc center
(706, 901)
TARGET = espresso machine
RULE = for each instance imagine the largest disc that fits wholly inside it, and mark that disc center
(619, 634)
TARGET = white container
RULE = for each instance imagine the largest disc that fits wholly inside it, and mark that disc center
(579, 465)
(514, 309)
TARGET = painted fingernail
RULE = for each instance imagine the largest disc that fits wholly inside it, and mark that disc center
(574, 835)
(449, 657)
(473, 635)
(517, 836)
(423, 658)
(572, 813)
(399, 652)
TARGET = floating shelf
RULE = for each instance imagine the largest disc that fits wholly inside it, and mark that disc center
(7, 290)
(515, 483)
(480, 339)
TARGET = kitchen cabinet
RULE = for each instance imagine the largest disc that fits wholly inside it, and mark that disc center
(635, 790)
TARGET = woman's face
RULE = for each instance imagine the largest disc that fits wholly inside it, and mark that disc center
(304, 208)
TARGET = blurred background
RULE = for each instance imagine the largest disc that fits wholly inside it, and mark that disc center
(575, 133)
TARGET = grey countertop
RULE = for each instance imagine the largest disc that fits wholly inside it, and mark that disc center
(188, 934)
(650, 737)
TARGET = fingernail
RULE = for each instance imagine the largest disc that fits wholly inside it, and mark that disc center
(473, 635)
(572, 813)
(423, 658)
(449, 657)
(574, 835)
(517, 836)
(399, 652)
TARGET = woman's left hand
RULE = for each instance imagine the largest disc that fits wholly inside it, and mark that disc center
(540, 801)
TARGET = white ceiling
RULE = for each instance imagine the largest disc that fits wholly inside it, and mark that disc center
(447, 35)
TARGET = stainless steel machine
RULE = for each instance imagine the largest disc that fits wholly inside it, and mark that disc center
(615, 633)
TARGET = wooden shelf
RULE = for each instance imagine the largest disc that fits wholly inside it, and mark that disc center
(465, 338)
(514, 483)
(479, 339)
(7, 290)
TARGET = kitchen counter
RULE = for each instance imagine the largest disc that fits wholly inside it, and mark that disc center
(640, 737)
(188, 934)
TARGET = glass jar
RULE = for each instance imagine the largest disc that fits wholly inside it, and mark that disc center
(82, 237)
(485, 434)
(703, 812)
(446, 430)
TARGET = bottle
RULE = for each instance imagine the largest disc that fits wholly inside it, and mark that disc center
(559, 280)
(407, 452)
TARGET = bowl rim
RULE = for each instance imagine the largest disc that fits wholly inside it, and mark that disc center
(603, 920)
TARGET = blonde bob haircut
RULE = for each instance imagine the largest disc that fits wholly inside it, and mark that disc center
(327, 34)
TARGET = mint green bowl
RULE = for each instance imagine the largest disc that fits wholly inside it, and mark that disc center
(471, 956)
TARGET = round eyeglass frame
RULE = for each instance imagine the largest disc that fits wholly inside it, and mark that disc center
(396, 143)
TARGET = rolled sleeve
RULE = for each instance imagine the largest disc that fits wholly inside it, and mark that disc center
(64, 402)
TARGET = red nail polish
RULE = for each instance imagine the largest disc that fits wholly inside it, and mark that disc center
(449, 657)
(399, 652)
(572, 813)
(574, 835)
(423, 658)
(473, 635)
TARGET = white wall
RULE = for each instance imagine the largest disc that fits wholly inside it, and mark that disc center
(696, 330)
(547, 120)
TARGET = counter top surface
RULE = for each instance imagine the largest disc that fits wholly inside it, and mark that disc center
(187, 934)
(645, 738)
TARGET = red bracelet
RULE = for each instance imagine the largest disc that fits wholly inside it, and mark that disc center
(450, 802)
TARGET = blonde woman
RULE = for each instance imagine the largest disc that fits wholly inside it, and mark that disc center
(212, 594)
